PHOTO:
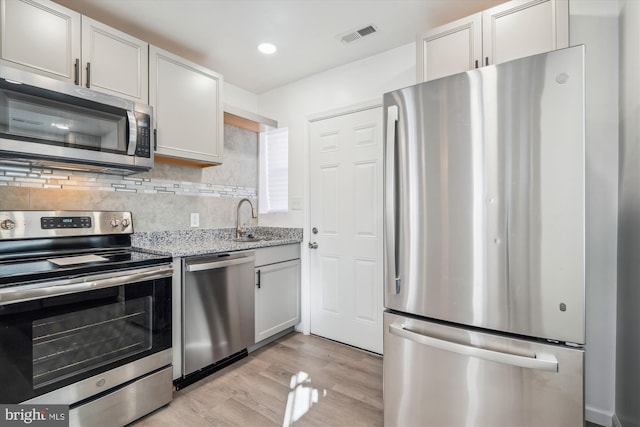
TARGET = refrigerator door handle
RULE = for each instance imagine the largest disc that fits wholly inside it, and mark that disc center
(541, 361)
(391, 198)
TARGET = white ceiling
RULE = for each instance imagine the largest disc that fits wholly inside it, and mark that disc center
(223, 34)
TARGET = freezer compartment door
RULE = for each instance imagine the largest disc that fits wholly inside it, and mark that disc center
(438, 375)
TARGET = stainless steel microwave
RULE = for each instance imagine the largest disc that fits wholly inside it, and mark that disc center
(50, 123)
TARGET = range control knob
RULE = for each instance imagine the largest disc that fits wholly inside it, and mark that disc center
(115, 222)
(7, 224)
(125, 222)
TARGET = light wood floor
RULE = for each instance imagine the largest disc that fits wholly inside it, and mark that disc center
(255, 390)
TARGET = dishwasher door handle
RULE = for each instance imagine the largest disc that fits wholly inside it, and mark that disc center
(219, 264)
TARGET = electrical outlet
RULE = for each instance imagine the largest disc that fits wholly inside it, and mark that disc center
(195, 219)
(296, 203)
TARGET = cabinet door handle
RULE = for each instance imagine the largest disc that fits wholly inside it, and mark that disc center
(486, 60)
(88, 74)
(76, 72)
(476, 63)
(258, 283)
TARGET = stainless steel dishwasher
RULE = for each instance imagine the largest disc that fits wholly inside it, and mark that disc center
(218, 311)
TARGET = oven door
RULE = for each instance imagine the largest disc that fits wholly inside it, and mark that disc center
(58, 333)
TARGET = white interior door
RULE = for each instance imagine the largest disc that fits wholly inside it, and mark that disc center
(346, 204)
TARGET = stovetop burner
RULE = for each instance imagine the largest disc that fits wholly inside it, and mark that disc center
(44, 245)
(18, 272)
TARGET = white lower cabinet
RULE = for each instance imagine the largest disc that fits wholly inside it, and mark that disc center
(277, 289)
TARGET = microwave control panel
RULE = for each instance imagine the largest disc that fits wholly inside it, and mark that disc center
(143, 148)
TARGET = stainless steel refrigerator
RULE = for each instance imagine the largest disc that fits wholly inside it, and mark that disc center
(485, 247)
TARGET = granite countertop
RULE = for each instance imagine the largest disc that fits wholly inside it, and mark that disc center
(182, 243)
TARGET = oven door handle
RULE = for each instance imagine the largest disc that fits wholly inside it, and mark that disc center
(13, 295)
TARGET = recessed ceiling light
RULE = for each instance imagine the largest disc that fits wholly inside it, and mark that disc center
(267, 48)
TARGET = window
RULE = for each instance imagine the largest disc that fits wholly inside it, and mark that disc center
(273, 193)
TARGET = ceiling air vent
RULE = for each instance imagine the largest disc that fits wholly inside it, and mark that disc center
(352, 36)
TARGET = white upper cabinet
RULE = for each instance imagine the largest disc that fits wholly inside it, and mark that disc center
(187, 102)
(522, 28)
(43, 37)
(450, 49)
(114, 62)
(508, 31)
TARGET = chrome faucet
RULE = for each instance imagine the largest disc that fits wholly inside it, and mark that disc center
(239, 230)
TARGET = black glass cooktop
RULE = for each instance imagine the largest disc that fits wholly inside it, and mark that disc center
(23, 271)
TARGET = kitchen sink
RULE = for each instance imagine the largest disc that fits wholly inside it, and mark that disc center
(249, 238)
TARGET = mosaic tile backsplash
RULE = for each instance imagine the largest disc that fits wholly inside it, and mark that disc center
(60, 179)
(161, 199)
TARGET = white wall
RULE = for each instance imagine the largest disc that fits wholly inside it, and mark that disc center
(594, 23)
(239, 98)
(340, 87)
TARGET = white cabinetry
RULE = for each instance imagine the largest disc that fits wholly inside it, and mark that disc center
(508, 31)
(114, 62)
(187, 102)
(277, 289)
(450, 49)
(522, 28)
(45, 38)
(41, 37)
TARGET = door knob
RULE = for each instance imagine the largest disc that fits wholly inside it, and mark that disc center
(313, 245)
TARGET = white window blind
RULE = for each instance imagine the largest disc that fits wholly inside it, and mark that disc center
(273, 189)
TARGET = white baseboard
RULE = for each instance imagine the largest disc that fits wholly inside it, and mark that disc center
(616, 421)
(600, 417)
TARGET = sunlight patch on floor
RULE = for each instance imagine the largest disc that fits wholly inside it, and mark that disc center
(301, 397)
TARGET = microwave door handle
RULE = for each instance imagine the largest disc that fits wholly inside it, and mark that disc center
(133, 133)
